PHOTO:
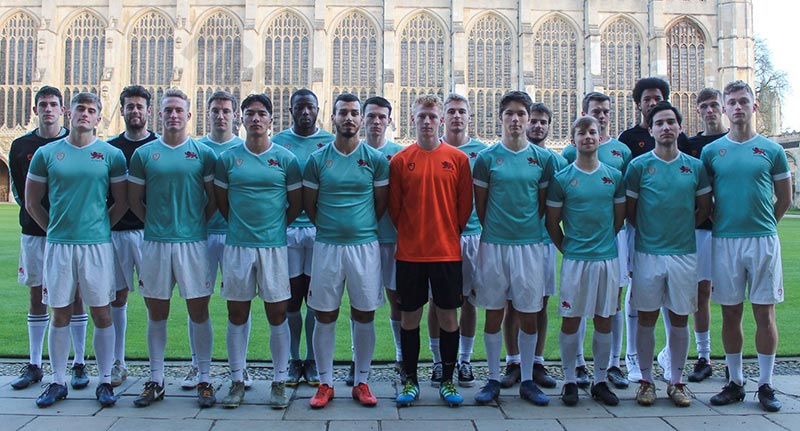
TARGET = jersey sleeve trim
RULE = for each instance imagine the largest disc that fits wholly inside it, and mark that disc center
(221, 184)
(633, 194)
(703, 191)
(208, 178)
(119, 179)
(554, 204)
(544, 185)
(37, 178)
(136, 180)
(295, 186)
(310, 185)
(782, 176)
(479, 183)
(619, 200)
(381, 183)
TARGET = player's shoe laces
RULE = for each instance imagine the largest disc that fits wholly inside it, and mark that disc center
(52, 393)
(679, 394)
(449, 394)
(205, 395)
(409, 394)
(646, 394)
(28, 375)
(542, 377)
(323, 396)
(466, 378)
(362, 394)
(702, 371)
(602, 392)
(569, 394)
(191, 379)
(512, 376)
(235, 395)
(766, 397)
(105, 395)
(152, 392)
(730, 393)
(79, 379)
(437, 373)
(529, 391)
(277, 396)
(295, 373)
(488, 393)
(310, 372)
(582, 377)
(616, 378)
(118, 374)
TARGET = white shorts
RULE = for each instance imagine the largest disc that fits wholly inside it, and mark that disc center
(469, 263)
(624, 257)
(550, 269)
(510, 272)
(127, 257)
(356, 266)
(251, 271)
(389, 266)
(31, 260)
(664, 280)
(301, 249)
(216, 246)
(705, 263)
(167, 263)
(742, 262)
(589, 288)
(69, 267)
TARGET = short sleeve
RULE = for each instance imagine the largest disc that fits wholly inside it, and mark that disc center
(381, 178)
(619, 192)
(38, 168)
(119, 168)
(548, 171)
(633, 179)
(136, 172)
(294, 178)
(555, 194)
(780, 166)
(480, 172)
(209, 164)
(221, 173)
(703, 184)
(311, 174)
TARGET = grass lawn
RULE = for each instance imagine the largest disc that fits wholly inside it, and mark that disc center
(14, 304)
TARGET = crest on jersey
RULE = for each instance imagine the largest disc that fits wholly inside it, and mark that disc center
(499, 161)
(759, 152)
(97, 156)
(651, 170)
(532, 161)
(722, 152)
(616, 153)
(686, 170)
(239, 161)
(60, 155)
(573, 182)
(156, 156)
(411, 166)
(328, 163)
(607, 180)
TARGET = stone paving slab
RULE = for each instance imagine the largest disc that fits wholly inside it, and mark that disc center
(20, 406)
(340, 408)
(138, 424)
(662, 407)
(515, 408)
(790, 421)
(449, 413)
(726, 423)
(15, 422)
(789, 385)
(237, 425)
(616, 424)
(353, 426)
(169, 408)
(518, 425)
(244, 412)
(49, 423)
(417, 425)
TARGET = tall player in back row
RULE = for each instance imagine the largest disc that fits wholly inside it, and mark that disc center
(302, 139)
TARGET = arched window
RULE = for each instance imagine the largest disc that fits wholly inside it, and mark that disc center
(555, 53)
(355, 56)
(621, 63)
(84, 55)
(422, 67)
(489, 62)
(286, 64)
(17, 69)
(219, 64)
(152, 44)
(686, 47)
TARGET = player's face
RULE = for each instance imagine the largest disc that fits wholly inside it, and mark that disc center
(174, 114)
(257, 120)
(377, 120)
(84, 117)
(601, 111)
(515, 119)
(221, 115)
(650, 98)
(426, 121)
(135, 112)
(456, 116)
(739, 107)
(304, 112)
(538, 127)
(346, 118)
(48, 109)
(587, 139)
(710, 111)
(665, 129)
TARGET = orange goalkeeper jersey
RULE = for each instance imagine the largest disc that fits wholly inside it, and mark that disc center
(430, 201)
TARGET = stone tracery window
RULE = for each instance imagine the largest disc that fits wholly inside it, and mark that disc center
(17, 69)
(421, 66)
(219, 64)
(84, 55)
(287, 47)
(555, 53)
(489, 63)
(686, 68)
(152, 45)
(621, 63)
(355, 57)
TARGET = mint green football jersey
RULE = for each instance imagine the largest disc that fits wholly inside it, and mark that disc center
(513, 180)
(346, 200)
(587, 210)
(471, 149)
(612, 152)
(665, 209)
(217, 224)
(387, 233)
(302, 147)
(559, 163)
(257, 185)
(77, 186)
(174, 180)
(742, 175)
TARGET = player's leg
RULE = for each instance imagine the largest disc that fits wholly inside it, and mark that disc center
(31, 266)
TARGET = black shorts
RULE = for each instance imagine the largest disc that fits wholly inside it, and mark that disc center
(415, 278)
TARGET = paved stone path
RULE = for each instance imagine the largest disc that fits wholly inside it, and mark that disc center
(179, 412)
